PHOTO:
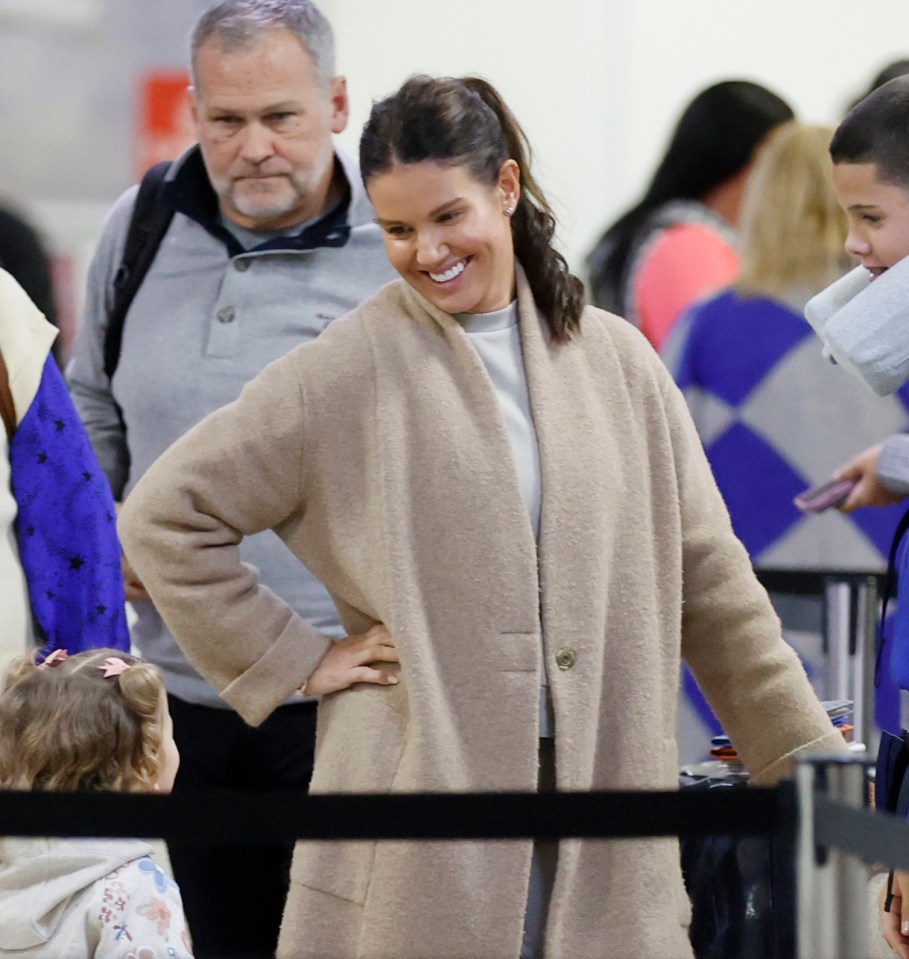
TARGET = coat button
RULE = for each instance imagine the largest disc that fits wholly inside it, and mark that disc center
(565, 658)
(241, 265)
(226, 314)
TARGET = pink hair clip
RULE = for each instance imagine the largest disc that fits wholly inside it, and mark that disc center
(113, 666)
(53, 659)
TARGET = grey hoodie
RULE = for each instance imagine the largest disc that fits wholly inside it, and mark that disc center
(88, 899)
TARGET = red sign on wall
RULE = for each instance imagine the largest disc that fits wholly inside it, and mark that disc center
(165, 127)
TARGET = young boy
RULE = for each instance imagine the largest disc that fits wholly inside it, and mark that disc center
(863, 320)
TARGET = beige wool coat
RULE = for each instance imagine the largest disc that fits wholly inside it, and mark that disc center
(379, 455)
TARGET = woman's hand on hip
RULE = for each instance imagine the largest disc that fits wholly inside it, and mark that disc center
(132, 585)
(359, 658)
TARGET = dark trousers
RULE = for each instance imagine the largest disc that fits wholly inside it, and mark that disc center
(234, 895)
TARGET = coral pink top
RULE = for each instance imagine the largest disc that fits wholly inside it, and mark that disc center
(682, 264)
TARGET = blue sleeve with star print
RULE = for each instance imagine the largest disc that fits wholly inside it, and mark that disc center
(66, 526)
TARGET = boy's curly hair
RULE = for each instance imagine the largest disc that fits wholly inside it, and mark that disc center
(67, 727)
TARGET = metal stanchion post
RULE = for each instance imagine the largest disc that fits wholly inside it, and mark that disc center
(837, 604)
(815, 899)
(851, 610)
(832, 886)
(867, 615)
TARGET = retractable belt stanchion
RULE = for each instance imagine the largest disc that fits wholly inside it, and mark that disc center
(850, 617)
(851, 602)
(831, 885)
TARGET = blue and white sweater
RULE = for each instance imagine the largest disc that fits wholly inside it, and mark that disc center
(776, 416)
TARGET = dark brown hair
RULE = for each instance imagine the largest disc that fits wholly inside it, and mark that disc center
(877, 131)
(465, 121)
(715, 138)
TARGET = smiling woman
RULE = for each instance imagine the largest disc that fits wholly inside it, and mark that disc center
(446, 165)
(501, 489)
(449, 235)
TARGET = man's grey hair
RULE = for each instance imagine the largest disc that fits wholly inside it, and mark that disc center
(238, 24)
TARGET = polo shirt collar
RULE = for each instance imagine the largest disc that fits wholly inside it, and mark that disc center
(189, 191)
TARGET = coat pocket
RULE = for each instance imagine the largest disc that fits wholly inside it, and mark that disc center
(360, 741)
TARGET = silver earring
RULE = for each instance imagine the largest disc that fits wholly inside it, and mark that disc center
(509, 210)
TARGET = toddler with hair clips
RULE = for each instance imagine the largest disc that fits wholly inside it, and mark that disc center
(96, 721)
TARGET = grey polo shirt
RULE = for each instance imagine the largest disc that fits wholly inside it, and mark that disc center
(209, 316)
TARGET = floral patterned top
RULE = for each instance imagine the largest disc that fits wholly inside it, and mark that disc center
(79, 898)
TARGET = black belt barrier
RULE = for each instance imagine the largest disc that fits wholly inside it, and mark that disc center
(264, 818)
(807, 815)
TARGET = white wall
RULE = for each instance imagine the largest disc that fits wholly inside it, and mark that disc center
(596, 83)
(554, 64)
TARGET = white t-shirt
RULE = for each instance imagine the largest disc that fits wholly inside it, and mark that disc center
(497, 339)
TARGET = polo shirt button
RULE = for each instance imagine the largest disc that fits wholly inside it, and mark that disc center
(242, 265)
(565, 658)
(226, 314)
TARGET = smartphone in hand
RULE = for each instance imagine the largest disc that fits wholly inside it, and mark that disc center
(816, 499)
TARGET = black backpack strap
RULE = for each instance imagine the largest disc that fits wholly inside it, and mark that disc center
(147, 226)
(889, 587)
